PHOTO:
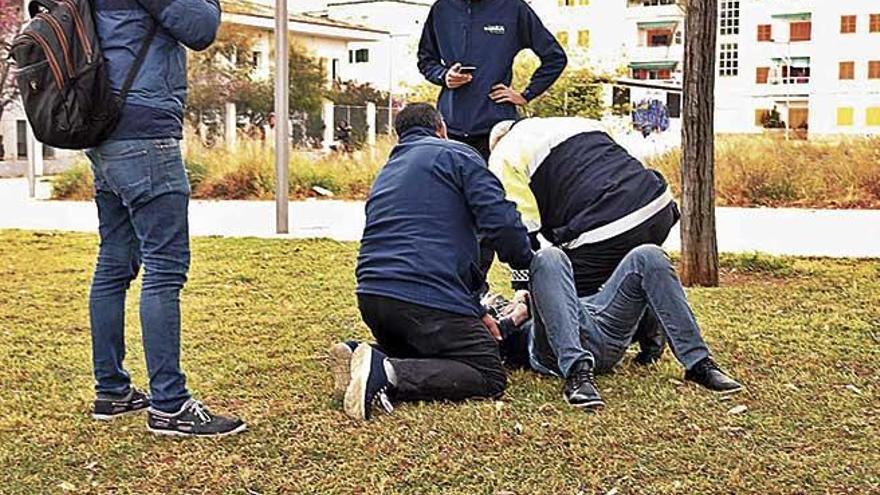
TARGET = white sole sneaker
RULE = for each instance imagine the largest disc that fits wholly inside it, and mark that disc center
(589, 406)
(340, 365)
(173, 433)
(354, 401)
(111, 417)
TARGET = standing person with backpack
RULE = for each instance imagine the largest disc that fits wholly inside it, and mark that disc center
(128, 111)
(142, 193)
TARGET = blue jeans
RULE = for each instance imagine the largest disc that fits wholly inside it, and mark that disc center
(142, 194)
(600, 328)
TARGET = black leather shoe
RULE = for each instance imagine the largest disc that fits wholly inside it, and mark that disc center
(647, 358)
(710, 376)
(580, 388)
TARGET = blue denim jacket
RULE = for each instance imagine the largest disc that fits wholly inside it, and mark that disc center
(154, 107)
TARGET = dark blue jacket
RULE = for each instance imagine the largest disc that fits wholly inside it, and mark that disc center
(423, 214)
(487, 34)
(154, 108)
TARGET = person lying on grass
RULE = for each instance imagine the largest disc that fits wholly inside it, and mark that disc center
(417, 274)
(579, 190)
(576, 338)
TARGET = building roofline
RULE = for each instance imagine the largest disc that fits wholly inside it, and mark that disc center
(357, 2)
(640, 83)
(257, 10)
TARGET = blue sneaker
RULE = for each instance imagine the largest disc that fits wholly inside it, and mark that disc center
(340, 366)
(368, 384)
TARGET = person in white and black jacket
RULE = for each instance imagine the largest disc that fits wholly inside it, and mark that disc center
(582, 190)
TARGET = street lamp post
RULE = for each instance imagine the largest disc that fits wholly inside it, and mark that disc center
(282, 122)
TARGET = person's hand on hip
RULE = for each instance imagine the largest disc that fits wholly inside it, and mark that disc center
(455, 78)
(501, 93)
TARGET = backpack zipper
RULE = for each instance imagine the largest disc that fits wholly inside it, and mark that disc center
(62, 39)
(80, 28)
(53, 62)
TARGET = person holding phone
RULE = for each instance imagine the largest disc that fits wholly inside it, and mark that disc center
(468, 48)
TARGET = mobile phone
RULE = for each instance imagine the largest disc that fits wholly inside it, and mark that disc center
(467, 69)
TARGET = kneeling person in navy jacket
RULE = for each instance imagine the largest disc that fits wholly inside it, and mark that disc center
(417, 274)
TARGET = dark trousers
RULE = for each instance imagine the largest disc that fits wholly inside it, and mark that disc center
(479, 143)
(436, 355)
(594, 263)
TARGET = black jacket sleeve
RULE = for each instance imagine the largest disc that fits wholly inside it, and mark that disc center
(536, 37)
(497, 218)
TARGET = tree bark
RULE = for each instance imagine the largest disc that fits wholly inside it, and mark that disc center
(699, 247)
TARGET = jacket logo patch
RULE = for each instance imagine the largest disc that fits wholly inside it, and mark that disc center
(497, 29)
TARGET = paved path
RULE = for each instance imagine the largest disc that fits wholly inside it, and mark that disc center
(839, 233)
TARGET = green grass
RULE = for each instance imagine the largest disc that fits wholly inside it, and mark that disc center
(259, 315)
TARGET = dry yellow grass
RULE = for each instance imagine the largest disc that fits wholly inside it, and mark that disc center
(765, 171)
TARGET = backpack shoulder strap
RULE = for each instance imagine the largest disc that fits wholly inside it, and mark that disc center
(138, 62)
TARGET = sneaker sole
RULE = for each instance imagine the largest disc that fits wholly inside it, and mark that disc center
(589, 406)
(359, 370)
(175, 433)
(340, 365)
(111, 417)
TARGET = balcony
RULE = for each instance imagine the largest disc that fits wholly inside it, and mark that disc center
(657, 53)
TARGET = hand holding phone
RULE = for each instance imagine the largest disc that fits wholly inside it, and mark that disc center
(455, 78)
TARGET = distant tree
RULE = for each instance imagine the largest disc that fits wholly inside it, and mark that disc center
(307, 83)
(356, 94)
(577, 92)
(10, 21)
(226, 73)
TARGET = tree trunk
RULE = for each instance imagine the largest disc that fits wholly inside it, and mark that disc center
(699, 247)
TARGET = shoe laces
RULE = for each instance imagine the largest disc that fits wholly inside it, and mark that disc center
(383, 401)
(708, 365)
(200, 411)
(583, 376)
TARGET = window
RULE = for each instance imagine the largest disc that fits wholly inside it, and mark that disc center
(584, 38)
(874, 69)
(796, 75)
(765, 32)
(729, 17)
(256, 56)
(659, 37)
(652, 74)
(847, 71)
(800, 31)
(361, 56)
(679, 36)
(875, 23)
(583, 3)
(728, 60)
(761, 116)
(762, 75)
(845, 116)
(652, 3)
(562, 37)
(573, 3)
(847, 24)
(872, 117)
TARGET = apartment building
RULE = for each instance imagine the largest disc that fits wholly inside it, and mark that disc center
(817, 62)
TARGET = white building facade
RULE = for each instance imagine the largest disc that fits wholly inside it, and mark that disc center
(817, 62)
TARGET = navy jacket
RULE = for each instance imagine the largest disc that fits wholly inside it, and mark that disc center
(423, 215)
(154, 107)
(487, 34)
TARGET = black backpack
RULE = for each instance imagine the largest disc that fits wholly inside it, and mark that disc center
(62, 75)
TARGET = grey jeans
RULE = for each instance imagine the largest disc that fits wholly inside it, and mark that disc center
(600, 328)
